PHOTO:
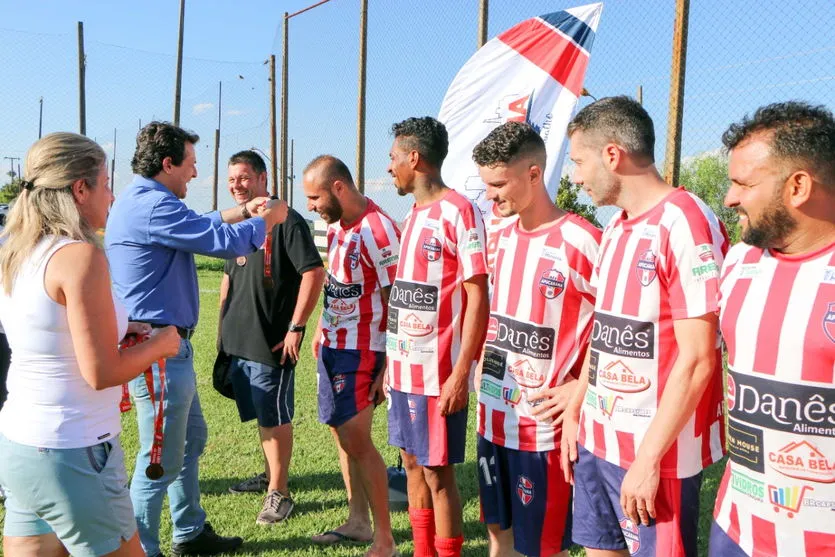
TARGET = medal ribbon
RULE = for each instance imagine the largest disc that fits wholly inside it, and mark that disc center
(268, 258)
(154, 470)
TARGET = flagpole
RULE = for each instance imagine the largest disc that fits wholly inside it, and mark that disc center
(482, 21)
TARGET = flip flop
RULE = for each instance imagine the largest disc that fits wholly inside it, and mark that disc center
(340, 538)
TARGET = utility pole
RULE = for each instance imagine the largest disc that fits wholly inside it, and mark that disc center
(11, 167)
(273, 147)
(672, 154)
(284, 72)
(361, 96)
(483, 9)
(640, 97)
(217, 146)
(113, 166)
(82, 65)
(292, 176)
(178, 84)
(40, 119)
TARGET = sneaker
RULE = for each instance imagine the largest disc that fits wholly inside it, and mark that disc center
(207, 543)
(256, 484)
(277, 508)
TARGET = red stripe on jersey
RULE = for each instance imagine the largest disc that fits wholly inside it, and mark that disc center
(438, 450)
(497, 419)
(670, 460)
(446, 333)
(397, 373)
(557, 504)
(668, 526)
(482, 420)
(632, 303)
(824, 371)
(765, 537)
(818, 543)
(626, 446)
(409, 225)
(416, 371)
(701, 232)
(527, 433)
(768, 336)
(733, 306)
(519, 259)
(617, 260)
(599, 439)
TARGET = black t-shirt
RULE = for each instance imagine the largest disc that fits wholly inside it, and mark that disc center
(256, 318)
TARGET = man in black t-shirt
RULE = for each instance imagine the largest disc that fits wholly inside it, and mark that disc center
(266, 298)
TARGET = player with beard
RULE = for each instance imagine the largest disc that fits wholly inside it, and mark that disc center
(541, 286)
(436, 324)
(350, 340)
(649, 407)
(777, 316)
(266, 298)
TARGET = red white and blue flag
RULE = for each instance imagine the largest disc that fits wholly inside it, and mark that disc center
(533, 73)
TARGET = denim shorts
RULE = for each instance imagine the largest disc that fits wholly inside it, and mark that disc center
(79, 494)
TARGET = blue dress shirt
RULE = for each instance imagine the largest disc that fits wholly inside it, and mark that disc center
(151, 238)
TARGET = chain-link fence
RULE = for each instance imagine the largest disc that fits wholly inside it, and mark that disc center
(740, 55)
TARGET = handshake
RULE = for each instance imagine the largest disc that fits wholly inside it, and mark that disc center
(273, 211)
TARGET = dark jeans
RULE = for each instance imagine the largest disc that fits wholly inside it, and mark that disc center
(5, 359)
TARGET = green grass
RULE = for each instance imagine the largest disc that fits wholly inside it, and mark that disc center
(233, 453)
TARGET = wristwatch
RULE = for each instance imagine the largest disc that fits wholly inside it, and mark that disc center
(245, 212)
(296, 327)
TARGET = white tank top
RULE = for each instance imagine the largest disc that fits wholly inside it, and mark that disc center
(50, 405)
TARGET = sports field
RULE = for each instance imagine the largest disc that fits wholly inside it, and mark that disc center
(233, 453)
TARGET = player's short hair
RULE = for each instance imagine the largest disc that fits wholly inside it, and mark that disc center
(620, 120)
(253, 159)
(510, 142)
(155, 142)
(425, 135)
(800, 134)
(332, 169)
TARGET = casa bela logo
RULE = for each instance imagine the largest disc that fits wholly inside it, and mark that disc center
(645, 268)
(803, 461)
(414, 327)
(618, 377)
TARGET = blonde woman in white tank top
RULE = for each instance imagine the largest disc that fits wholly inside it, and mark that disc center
(62, 463)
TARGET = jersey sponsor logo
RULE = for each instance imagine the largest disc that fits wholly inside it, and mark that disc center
(751, 487)
(783, 406)
(495, 362)
(552, 283)
(608, 403)
(525, 490)
(473, 242)
(787, 499)
(338, 383)
(511, 395)
(341, 307)
(649, 232)
(525, 374)
(431, 249)
(731, 391)
(336, 289)
(829, 321)
(414, 327)
(391, 320)
(432, 224)
(413, 296)
(623, 337)
(387, 258)
(705, 271)
(631, 534)
(406, 346)
(520, 338)
(749, 270)
(803, 461)
(490, 388)
(551, 253)
(618, 377)
(645, 268)
(746, 446)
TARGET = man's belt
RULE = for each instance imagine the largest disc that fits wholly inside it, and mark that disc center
(182, 331)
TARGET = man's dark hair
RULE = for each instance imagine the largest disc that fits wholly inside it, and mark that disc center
(333, 169)
(509, 142)
(253, 159)
(620, 120)
(156, 141)
(425, 135)
(799, 132)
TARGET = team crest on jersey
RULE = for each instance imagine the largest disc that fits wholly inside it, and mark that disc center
(631, 534)
(646, 267)
(829, 321)
(412, 410)
(341, 307)
(552, 283)
(338, 383)
(354, 258)
(524, 489)
(431, 249)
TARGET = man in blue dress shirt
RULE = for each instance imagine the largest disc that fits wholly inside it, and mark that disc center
(151, 239)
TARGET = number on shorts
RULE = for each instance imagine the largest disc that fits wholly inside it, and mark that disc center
(489, 479)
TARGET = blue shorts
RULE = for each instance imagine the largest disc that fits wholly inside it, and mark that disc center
(721, 545)
(345, 378)
(263, 392)
(604, 526)
(79, 494)
(526, 491)
(417, 427)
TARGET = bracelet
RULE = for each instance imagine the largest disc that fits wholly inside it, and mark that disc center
(245, 212)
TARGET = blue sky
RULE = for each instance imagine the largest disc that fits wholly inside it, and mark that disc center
(741, 55)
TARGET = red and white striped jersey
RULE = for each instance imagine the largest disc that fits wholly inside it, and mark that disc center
(362, 259)
(540, 320)
(443, 245)
(652, 270)
(777, 496)
(494, 225)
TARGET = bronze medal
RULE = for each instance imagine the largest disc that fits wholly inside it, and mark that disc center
(154, 471)
(241, 261)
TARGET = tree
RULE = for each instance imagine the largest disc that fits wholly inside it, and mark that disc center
(568, 200)
(10, 191)
(706, 176)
